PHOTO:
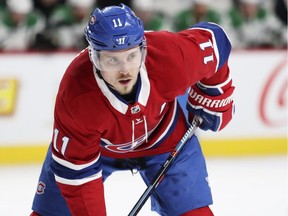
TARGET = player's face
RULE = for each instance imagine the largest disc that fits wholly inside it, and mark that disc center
(120, 68)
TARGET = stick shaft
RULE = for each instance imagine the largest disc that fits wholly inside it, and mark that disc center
(159, 176)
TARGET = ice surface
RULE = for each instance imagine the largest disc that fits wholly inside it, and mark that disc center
(246, 186)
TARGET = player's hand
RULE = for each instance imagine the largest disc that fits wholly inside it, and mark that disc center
(213, 103)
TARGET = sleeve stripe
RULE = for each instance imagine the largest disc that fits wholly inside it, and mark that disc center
(76, 182)
(74, 166)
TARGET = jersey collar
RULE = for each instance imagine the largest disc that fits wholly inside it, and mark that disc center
(120, 105)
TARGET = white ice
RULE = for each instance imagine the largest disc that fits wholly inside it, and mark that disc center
(242, 186)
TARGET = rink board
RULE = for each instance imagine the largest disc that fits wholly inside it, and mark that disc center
(211, 148)
(259, 126)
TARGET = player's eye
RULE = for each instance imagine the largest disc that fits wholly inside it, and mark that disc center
(133, 56)
(112, 60)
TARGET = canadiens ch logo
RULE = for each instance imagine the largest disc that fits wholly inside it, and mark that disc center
(92, 20)
(40, 188)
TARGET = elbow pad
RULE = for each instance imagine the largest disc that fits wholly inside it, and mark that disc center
(214, 103)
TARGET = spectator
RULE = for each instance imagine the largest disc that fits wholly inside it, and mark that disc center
(250, 25)
(2, 5)
(19, 24)
(281, 10)
(152, 19)
(47, 6)
(68, 22)
(199, 11)
(44, 40)
(105, 3)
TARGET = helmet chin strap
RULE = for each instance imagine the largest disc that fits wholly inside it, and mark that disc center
(92, 61)
(98, 73)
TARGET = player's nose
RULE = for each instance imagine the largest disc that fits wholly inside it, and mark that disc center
(124, 69)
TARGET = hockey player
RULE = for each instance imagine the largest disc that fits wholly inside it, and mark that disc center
(117, 109)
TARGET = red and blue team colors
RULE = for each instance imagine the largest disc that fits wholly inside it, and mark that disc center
(97, 132)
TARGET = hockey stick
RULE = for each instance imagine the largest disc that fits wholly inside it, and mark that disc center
(160, 175)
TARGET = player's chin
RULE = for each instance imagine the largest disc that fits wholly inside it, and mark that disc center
(125, 90)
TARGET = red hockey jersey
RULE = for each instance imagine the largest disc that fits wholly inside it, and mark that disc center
(93, 120)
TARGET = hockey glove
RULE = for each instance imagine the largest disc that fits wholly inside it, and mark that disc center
(213, 103)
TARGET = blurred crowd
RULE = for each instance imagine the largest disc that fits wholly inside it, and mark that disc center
(59, 24)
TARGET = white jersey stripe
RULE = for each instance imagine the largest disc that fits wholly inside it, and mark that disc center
(76, 182)
(74, 166)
